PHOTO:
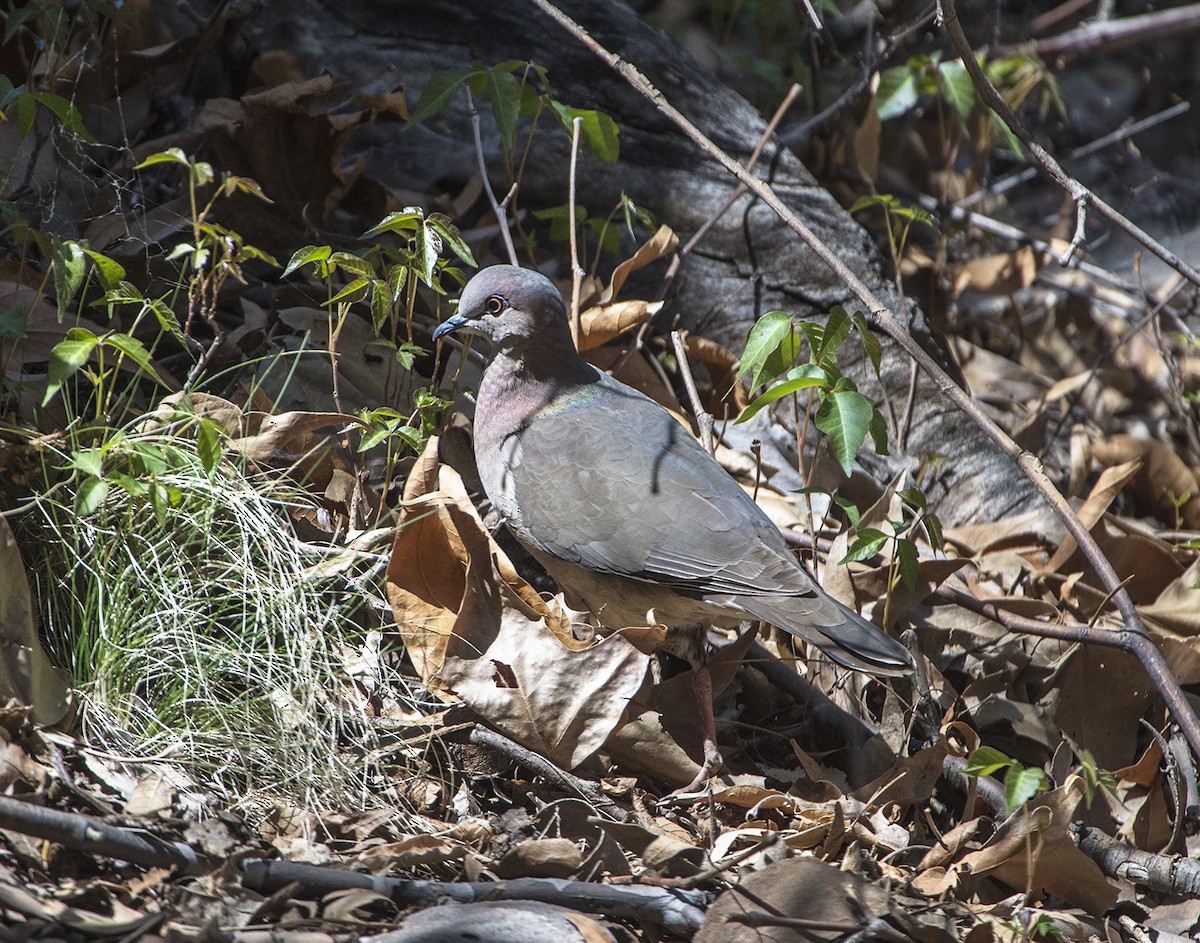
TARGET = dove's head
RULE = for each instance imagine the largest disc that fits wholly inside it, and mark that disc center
(509, 305)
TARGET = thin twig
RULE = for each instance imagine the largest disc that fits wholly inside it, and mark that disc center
(1138, 639)
(535, 763)
(576, 271)
(704, 419)
(499, 209)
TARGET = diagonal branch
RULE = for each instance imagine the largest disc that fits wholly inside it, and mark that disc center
(1139, 640)
(1082, 196)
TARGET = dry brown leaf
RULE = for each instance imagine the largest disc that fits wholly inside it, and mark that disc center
(1033, 850)
(662, 243)
(415, 851)
(601, 323)
(799, 887)
(1101, 694)
(1177, 608)
(1001, 274)
(912, 782)
(477, 632)
(1161, 476)
(26, 673)
(1103, 493)
(541, 858)
(661, 853)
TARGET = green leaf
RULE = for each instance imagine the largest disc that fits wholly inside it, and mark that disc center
(67, 113)
(845, 417)
(89, 461)
(208, 444)
(437, 93)
(868, 542)
(67, 257)
(914, 496)
(402, 222)
(306, 255)
(13, 322)
(878, 431)
(353, 291)
(1013, 142)
(906, 556)
(837, 329)
(506, 104)
(449, 234)
(68, 356)
(765, 337)
(870, 342)
(429, 247)
(986, 760)
(597, 130)
(26, 111)
(898, 92)
(933, 528)
(135, 350)
(799, 378)
(110, 273)
(172, 155)
(1021, 784)
(91, 494)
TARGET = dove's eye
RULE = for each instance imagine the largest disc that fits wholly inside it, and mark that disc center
(495, 305)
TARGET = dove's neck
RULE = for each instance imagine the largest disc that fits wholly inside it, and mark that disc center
(520, 384)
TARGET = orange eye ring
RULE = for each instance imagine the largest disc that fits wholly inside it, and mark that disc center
(494, 305)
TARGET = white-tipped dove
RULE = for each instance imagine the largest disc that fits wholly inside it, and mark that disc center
(623, 507)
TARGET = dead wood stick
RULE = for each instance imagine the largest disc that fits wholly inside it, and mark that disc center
(1166, 874)
(83, 833)
(678, 911)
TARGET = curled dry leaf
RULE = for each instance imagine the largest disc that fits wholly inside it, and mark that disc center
(479, 633)
(663, 242)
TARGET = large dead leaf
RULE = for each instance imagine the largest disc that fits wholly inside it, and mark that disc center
(26, 673)
(475, 630)
(1162, 478)
(1032, 851)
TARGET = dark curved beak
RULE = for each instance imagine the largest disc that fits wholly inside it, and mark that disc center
(449, 326)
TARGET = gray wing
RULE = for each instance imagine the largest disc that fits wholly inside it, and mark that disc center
(615, 484)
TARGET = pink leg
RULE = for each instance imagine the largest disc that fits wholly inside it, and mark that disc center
(702, 689)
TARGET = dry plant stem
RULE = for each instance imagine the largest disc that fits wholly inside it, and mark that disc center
(576, 272)
(676, 910)
(1134, 635)
(590, 792)
(1078, 192)
(704, 419)
(990, 792)
(499, 209)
